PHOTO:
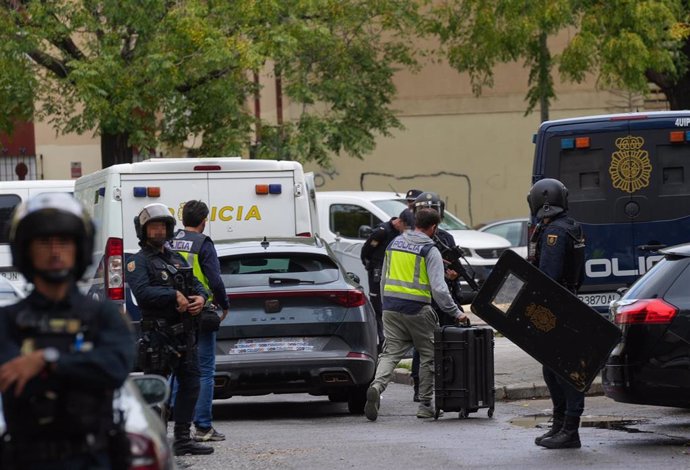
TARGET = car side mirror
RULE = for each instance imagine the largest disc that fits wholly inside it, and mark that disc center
(365, 231)
(354, 277)
(153, 388)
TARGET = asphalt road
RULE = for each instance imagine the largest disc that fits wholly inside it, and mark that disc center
(303, 432)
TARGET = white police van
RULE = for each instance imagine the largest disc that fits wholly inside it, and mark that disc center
(11, 194)
(246, 199)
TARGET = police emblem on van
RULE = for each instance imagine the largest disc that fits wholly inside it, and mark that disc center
(630, 167)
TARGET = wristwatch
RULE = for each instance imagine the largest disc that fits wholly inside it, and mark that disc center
(51, 356)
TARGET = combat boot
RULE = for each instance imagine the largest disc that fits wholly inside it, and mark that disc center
(415, 387)
(567, 438)
(183, 444)
(556, 425)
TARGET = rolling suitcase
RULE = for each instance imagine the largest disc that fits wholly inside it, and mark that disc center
(464, 369)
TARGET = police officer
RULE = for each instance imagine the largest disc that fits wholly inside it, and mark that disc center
(413, 275)
(373, 252)
(62, 354)
(407, 215)
(199, 251)
(443, 241)
(557, 248)
(156, 276)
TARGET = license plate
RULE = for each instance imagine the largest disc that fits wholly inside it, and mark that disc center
(601, 299)
(11, 276)
(262, 345)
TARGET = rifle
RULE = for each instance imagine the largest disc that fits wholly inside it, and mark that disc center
(453, 255)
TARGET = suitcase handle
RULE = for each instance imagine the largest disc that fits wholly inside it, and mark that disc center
(463, 324)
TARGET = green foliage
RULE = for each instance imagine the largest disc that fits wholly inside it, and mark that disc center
(158, 71)
(627, 43)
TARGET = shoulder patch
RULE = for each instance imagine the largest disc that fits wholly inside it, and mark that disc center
(374, 243)
(551, 240)
(131, 266)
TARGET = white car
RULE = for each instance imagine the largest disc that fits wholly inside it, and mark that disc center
(513, 230)
(345, 215)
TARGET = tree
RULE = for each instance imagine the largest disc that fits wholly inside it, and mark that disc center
(626, 43)
(475, 35)
(142, 73)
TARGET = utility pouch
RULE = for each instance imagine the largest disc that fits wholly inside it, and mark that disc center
(209, 322)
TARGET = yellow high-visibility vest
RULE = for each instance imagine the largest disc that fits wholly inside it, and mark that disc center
(405, 270)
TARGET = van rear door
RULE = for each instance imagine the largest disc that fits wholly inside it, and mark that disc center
(580, 157)
(173, 189)
(253, 204)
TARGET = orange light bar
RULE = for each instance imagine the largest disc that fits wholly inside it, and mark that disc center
(582, 142)
(261, 189)
(153, 191)
(676, 136)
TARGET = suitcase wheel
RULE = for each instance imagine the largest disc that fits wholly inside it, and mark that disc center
(462, 414)
(490, 413)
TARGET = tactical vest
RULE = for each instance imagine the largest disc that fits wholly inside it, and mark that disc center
(188, 245)
(58, 410)
(406, 275)
(574, 263)
(164, 274)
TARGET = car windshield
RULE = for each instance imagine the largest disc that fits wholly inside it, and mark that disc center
(277, 269)
(393, 207)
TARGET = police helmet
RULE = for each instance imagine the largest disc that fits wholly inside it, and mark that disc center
(151, 213)
(51, 214)
(412, 194)
(428, 200)
(547, 198)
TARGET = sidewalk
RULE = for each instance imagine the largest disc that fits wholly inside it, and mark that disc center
(516, 374)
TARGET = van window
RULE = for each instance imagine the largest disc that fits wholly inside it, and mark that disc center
(7, 204)
(345, 219)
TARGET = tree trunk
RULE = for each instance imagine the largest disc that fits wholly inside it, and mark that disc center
(115, 149)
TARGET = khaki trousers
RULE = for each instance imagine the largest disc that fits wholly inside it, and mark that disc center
(402, 332)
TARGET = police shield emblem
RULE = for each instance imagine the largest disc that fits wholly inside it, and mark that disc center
(551, 240)
(546, 320)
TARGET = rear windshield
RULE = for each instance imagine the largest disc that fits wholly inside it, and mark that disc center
(659, 282)
(277, 269)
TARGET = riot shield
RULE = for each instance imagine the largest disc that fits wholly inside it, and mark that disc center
(546, 320)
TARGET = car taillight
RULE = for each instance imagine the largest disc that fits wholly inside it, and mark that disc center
(304, 234)
(645, 311)
(143, 450)
(114, 274)
(346, 298)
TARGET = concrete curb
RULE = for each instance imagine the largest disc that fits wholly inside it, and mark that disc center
(520, 391)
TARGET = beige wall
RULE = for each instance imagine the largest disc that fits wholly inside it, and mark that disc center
(59, 151)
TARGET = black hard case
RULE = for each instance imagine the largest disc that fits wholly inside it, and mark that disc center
(464, 369)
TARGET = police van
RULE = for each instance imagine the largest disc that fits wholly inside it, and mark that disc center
(246, 199)
(628, 179)
(11, 194)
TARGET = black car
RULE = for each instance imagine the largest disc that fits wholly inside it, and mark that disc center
(651, 365)
(297, 323)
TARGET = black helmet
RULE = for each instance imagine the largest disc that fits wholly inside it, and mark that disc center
(51, 214)
(547, 198)
(428, 200)
(151, 213)
(412, 194)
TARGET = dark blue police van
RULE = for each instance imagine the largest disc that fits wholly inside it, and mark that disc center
(628, 179)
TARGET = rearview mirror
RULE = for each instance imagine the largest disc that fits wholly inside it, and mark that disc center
(153, 388)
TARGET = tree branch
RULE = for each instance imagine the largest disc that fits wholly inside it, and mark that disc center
(49, 62)
(214, 75)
